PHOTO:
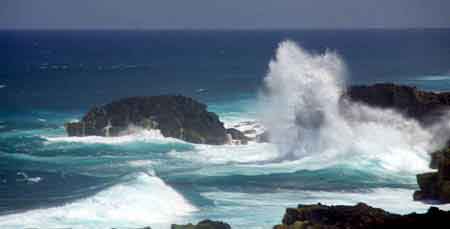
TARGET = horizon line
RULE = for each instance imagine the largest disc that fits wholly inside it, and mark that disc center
(224, 29)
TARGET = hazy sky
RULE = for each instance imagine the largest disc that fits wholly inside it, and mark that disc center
(222, 14)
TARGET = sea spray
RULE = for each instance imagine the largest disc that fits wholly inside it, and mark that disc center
(307, 118)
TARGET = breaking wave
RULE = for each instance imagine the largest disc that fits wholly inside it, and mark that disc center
(303, 109)
(143, 201)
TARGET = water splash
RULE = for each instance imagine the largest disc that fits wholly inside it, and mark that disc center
(307, 118)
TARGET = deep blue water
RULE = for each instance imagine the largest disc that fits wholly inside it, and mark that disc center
(51, 77)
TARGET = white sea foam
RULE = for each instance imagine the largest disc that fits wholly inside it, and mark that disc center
(225, 154)
(303, 110)
(153, 136)
(249, 127)
(144, 201)
(242, 210)
(2, 86)
(390, 199)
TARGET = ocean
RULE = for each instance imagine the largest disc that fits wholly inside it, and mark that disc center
(47, 78)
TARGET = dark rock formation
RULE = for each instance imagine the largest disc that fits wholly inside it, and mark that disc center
(175, 116)
(237, 135)
(421, 105)
(436, 185)
(360, 216)
(205, 224)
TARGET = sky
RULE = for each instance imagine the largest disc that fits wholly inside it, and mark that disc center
(223, 14)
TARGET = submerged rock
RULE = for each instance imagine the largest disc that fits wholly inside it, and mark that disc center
(174, 116)
(413, 103)
(360, 216)
(205, 224)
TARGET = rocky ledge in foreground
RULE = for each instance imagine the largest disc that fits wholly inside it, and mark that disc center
(436, 185)
(205, 224)
(424, 106)
(174, 116)
(360, 216)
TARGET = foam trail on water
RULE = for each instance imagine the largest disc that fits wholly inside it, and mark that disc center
(136, 136)
(144, 201)
(307, 118)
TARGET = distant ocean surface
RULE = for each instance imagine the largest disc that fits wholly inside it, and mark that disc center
(47, 78)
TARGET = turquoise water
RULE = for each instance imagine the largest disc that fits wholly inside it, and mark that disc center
(50, 180)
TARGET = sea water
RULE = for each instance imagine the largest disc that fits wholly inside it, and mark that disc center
(285, 81)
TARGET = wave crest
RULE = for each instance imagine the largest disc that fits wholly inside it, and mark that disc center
(143, 201)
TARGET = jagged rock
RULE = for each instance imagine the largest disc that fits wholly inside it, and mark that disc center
(237, 135)
(205, 224)
(175, 116)
(436, 185)
(360, 216)
(421, 105)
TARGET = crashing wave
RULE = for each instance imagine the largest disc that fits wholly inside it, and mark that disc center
(303, 109)
(145, 200)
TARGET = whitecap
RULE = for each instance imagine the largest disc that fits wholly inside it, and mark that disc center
(152, 136)
(143, 201)
(225, 154)
(2, 86)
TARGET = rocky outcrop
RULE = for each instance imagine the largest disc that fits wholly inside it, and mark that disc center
(421, 105)
(436, 185)
(174, 116)
(205, 224)
(360, 216)
(237, 136)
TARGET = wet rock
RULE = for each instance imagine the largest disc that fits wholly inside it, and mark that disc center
(174, 116)
(435, 185)
(360, 216)
(205, 224)
(237, 135)
(424, 106)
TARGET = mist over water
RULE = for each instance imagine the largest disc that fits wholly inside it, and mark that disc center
(308, 119)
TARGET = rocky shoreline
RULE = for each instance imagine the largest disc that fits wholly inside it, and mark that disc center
(359, 216)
